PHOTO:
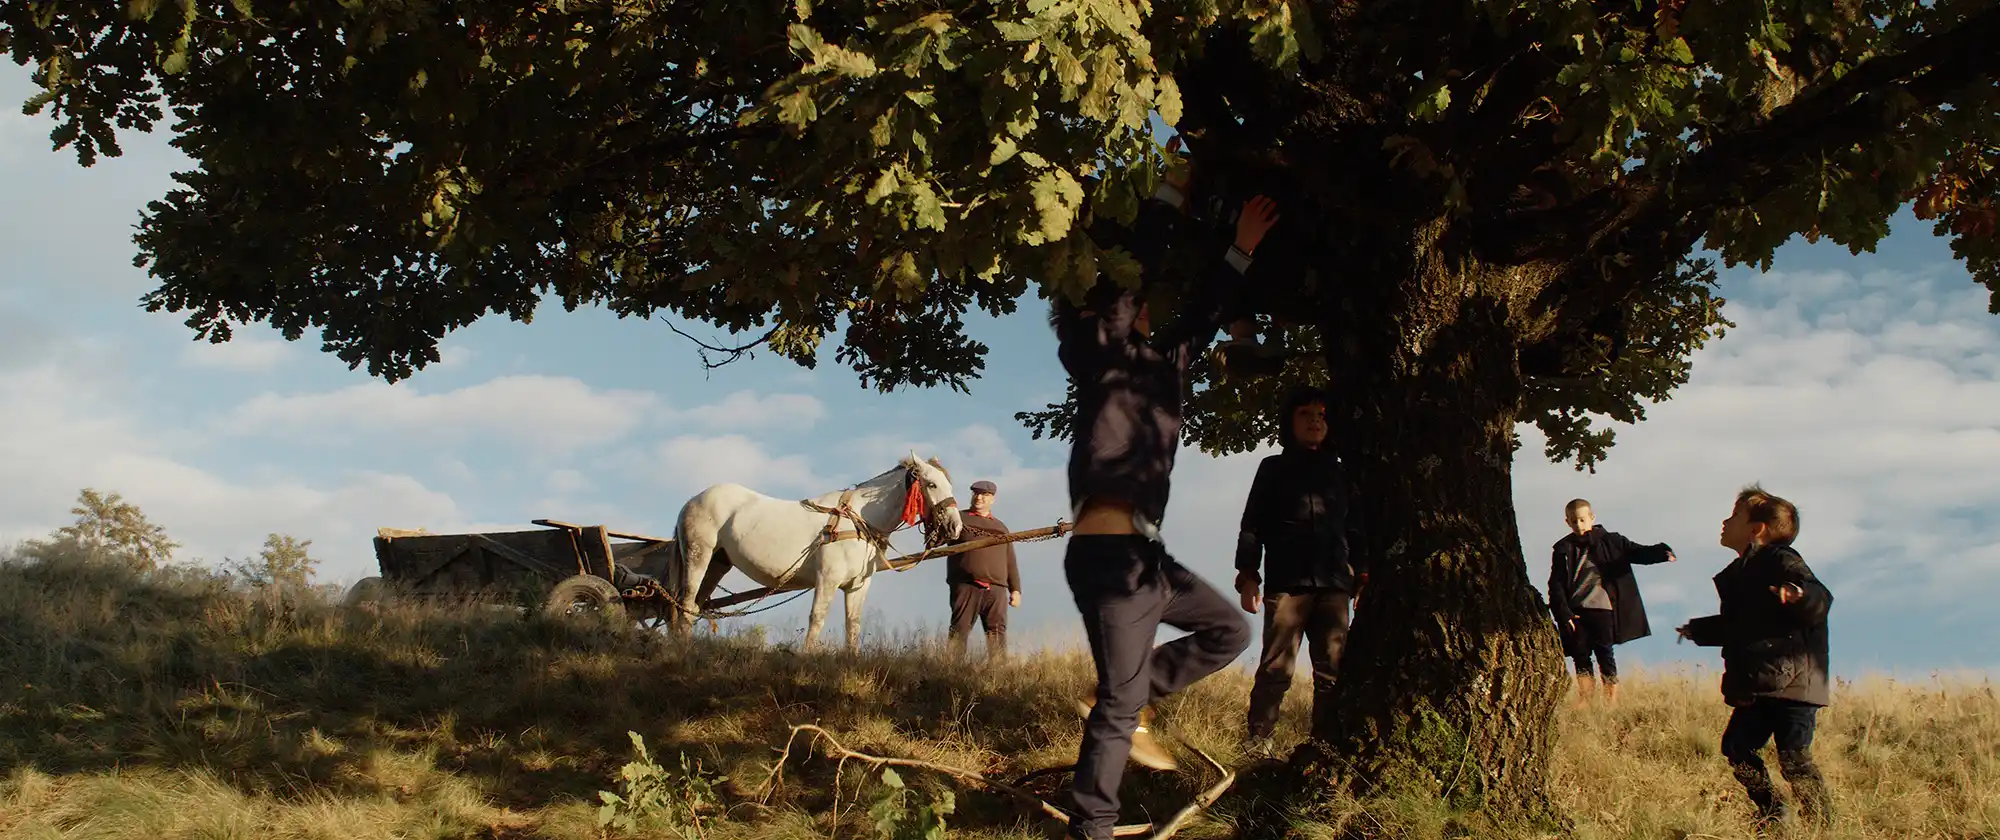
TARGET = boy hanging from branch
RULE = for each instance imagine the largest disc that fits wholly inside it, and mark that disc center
(1131, 380)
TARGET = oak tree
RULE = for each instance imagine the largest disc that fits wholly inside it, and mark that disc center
(1495, 212)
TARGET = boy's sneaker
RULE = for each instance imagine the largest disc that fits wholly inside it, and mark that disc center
(1771, 819)
(1145, 749)
(1258, 749)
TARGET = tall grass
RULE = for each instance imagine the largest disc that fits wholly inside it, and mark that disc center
(164, 706)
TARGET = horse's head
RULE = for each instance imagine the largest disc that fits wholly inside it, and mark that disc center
(940, 509)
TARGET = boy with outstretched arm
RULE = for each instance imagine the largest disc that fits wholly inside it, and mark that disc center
(1772, 631)
(1595, 596)
(1130, 382)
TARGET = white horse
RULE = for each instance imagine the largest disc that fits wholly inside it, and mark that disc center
(833, 541)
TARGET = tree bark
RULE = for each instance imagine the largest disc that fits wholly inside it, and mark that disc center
(1452, 674)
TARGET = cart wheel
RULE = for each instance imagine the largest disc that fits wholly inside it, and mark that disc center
(583, 594)
(367, 592)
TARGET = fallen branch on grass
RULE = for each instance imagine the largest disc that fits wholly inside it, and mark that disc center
(840, 752)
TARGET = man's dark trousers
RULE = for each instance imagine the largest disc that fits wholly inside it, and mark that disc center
(1791, 724)
(1319, 617)
(988, 605)
(1126, 587)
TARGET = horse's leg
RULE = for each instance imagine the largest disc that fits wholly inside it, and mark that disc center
(857, 593)
(719, 565)
(698, 534)
(822, 599)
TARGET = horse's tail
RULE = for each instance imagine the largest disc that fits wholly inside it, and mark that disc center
(677, 571)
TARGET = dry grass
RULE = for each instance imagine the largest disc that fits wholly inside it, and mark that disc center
(163, 707)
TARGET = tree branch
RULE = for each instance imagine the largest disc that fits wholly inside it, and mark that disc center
(734, 353)
(840, 752)
(1740, 168)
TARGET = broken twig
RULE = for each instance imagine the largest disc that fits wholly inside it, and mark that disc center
(842, 754)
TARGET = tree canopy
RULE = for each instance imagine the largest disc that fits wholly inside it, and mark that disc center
(386, 171)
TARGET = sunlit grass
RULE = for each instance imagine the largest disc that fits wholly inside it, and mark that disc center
(164, 707)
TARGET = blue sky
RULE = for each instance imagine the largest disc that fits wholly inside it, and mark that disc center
(1862, 387)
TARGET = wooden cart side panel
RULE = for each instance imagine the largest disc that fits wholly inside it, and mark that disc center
(653, 559)
(447, 563)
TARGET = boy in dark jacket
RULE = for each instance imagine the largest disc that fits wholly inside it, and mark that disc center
(1130, 382)
(1595, 597)
(1772, 631)
(1297, 525)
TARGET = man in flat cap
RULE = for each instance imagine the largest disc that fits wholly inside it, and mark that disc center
(984, 581)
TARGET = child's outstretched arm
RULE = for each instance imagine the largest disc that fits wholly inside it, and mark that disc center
(1802, 598)
(1708, 631)
(1642, 555)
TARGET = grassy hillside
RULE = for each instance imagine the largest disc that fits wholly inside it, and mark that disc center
(163, 706)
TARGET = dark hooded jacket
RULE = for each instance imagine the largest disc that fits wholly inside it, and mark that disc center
(1298, 518)
(1769, 649)
(1614, 556)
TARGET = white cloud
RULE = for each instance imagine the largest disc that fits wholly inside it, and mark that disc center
(242, 354)
(689, 463)
(744, 410)
(452, 357)
(1868, 400)
(70, 427)
(567, 481)
(544, 412)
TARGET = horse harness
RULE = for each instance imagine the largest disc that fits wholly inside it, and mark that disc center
(844, 509)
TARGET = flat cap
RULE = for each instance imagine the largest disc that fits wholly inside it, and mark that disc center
(984, 487)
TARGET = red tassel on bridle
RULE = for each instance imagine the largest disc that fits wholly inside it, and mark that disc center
(915, 506)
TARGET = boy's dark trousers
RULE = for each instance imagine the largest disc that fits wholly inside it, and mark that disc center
(1791, 723)
(1319, 617)
(1126, 587)
(986, 604)
(1595, 630)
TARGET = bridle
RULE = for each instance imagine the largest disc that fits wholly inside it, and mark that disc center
(862, 530)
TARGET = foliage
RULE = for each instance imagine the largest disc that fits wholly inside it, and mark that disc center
(653, 795)
(901, 813)
(384, 172)
(284, 565)
(107, 529)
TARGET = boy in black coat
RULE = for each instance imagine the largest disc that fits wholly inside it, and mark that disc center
(1594, 596)
(1772, 631)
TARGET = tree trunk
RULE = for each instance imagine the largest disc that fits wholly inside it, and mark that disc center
(1452, 674)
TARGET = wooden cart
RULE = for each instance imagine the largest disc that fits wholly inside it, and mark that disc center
(568, 567)
(576, 568)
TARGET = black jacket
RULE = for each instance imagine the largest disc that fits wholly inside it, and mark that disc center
(1769, 649)
(1296, 522)
(1614, 556)
(1129, 388)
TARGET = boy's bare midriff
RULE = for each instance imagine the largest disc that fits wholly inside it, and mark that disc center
(1106, 516)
